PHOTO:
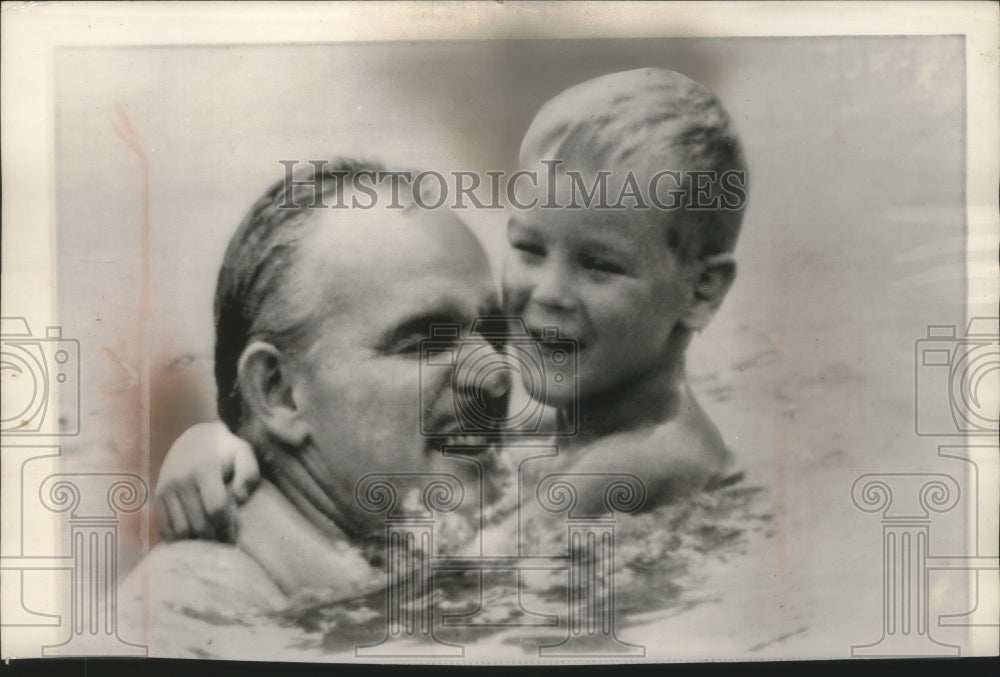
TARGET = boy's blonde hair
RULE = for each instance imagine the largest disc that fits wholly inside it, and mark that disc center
(645, 121)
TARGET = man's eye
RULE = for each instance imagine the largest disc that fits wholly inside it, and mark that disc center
(408, 344)
(601, 265)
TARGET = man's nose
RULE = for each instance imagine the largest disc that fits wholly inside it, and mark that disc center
(554, 288)
(484, 374)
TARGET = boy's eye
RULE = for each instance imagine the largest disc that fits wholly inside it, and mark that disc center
(601, 265)
(529, 250)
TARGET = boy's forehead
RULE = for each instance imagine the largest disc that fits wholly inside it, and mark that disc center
(576, 176)
(640, 155)
(598, 197)
(627, 228)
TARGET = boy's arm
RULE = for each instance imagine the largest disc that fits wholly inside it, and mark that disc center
(206, 473)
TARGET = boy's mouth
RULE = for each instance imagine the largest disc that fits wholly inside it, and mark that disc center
(551, 343)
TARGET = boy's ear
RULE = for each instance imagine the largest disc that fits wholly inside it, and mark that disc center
(711, 286)
(265, 382)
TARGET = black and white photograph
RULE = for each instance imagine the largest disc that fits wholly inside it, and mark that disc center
(500, 333)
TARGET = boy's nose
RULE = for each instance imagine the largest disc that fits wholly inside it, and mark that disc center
(554, 290)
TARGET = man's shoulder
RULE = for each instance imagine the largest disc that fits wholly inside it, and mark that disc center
(195, 599)
(200, 578)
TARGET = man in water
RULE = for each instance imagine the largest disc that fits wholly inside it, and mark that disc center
(319, 314)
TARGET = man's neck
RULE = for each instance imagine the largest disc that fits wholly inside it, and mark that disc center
(294, 551)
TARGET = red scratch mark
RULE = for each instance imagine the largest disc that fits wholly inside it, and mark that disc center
(126, 131)
(130, 381)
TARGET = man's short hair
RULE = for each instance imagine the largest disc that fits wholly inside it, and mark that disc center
(253, 296)
(645, 121)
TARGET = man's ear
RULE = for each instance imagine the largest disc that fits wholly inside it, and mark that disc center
(712, 283)
(265, 382)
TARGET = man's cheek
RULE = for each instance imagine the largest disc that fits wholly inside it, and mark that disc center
(394, 389)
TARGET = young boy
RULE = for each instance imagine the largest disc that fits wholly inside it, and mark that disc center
(624, 242)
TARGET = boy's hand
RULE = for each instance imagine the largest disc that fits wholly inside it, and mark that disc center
(206, 472)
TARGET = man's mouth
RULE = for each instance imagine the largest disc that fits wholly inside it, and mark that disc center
(459, 438)
(467, 440)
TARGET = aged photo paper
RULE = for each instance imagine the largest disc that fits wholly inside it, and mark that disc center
(473, 333)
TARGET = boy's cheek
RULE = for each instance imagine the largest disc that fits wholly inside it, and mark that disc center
(516, 282)
(514, 298)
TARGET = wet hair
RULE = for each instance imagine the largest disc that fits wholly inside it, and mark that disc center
(645, 121)
(255, 296)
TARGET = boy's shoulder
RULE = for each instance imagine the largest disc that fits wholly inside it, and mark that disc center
(673, 458)
(692, 435)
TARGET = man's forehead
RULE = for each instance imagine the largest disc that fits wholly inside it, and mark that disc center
(359, 230)
(441, 297)
(376, 243)
(394, 259)
(412, 305)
